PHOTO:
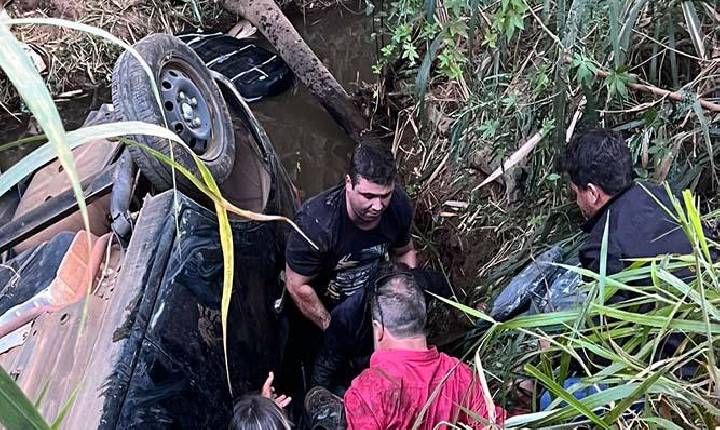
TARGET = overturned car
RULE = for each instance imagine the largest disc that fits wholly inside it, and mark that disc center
(146, 350)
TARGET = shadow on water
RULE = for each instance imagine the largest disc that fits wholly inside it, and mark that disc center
(313, 148)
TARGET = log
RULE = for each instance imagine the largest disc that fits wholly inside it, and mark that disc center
(272, 23)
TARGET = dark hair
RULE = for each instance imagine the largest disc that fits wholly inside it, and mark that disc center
(257, 413)
(397, 302)
(374, 162)
(601, 157)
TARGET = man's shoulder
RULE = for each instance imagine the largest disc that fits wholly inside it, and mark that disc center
(374, 380)
(321, 211)
(401, 205)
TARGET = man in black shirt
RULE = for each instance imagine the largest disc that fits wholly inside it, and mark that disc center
(355, 225)
(600, 167)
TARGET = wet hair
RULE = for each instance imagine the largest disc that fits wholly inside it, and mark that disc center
(258, 413)
(397, 301)
(374, 162)
(599, 156)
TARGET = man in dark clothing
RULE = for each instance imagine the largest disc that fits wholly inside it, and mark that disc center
(600, 167)
(356, 226)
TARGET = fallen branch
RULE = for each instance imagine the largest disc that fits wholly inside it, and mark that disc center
(672, 95)
(272, 23)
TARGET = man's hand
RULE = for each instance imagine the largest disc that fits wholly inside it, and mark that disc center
(405, 255)
(306, 299)
(268, 391)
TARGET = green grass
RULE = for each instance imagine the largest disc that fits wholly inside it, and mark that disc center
(628, 341)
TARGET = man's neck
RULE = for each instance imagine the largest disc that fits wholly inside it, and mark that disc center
(408, 344)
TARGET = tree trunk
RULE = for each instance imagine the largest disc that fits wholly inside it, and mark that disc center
(269, 19)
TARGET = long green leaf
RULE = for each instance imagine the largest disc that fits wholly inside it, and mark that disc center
(65, 409)
(557, 390)
(636, 394)
(75, 138)
(226, 242)
(30, 86)
(17, 411)
(694, 27)
(656, 321)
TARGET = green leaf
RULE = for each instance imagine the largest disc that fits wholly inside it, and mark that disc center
(75, 138)
(656, 321)
(65, 409)
(585, 70)
(603, 259)
(558, 391)
(30, 86)
(636, 394)
(16, 411)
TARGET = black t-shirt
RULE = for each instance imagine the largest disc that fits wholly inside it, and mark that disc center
(347, 256)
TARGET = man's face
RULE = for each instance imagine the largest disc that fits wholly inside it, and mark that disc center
(367, 200)
(588, 199)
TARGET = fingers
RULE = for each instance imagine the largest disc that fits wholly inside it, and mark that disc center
(282, 401)
(267, 388)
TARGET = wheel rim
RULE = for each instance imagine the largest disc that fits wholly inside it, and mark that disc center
(190, 109)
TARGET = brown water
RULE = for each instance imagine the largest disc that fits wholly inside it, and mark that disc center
(312, 147)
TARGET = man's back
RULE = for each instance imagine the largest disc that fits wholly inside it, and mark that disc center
(401, 384)
(639, 227)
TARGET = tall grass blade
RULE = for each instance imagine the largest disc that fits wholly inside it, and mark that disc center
(73, 139)
(421, 81)
(694, 27)
(637, 393)
(65, 409)
(614, 31)
(655, 321)
(226, 242)
(705, 126)
(17, 411)
(627, 29)
(31, 88)
(558, 391)
(603, 259)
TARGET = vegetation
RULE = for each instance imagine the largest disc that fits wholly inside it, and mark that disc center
(490, 91)
(473, 83)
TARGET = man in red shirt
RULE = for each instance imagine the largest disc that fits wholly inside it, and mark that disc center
(408, 381)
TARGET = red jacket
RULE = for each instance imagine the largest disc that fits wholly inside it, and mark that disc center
(399, 383)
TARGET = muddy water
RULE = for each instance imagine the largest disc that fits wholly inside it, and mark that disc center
(312, 147)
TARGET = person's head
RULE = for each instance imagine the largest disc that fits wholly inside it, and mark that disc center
(370, 182)
(599, 165)
(397, 306)
(257, 413)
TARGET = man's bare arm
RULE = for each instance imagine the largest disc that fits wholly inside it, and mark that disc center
(405, 255)
(305, 297)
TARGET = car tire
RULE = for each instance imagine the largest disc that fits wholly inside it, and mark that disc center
(182, 79)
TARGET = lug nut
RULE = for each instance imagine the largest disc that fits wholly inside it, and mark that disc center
(196, 122)
(181, 96)
(193, 102)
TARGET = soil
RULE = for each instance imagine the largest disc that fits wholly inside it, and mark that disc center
(73, 60)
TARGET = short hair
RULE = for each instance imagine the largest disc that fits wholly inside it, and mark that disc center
(599, 156)
(258, 413)
(373, 162)
(397, 302)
